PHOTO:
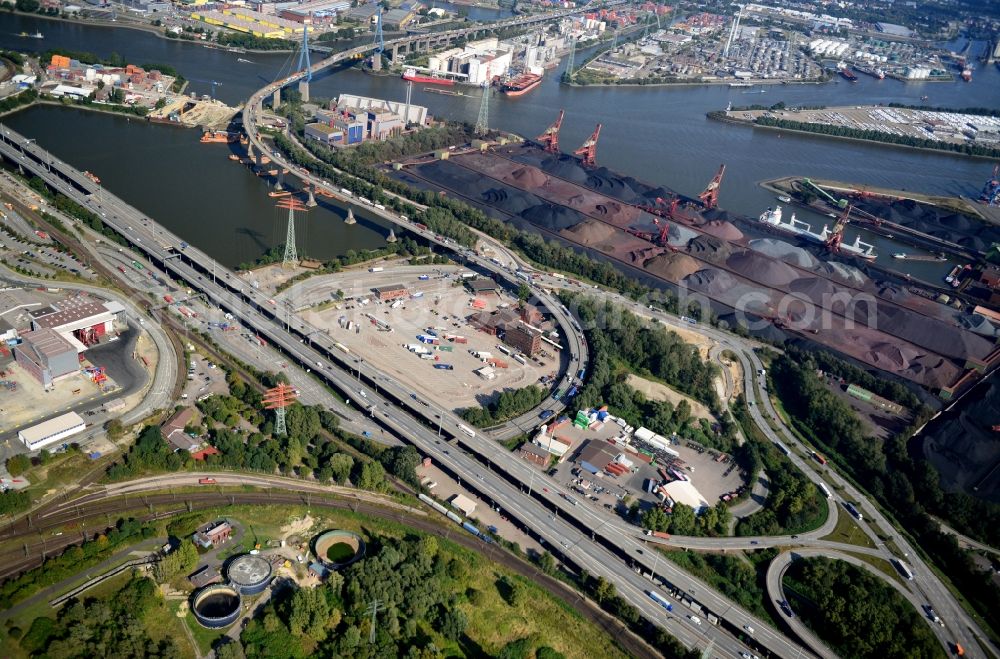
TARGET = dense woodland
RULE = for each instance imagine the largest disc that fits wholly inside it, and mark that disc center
(793, 503)
(103, 627)
(621, 343)
(856, 613)
(509, 404)
(899, 479)
(73, 559)
(714, 521)
(425, 607)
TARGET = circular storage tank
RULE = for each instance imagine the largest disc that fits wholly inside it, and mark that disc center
(217, 606)
(249, 574)
(337, 549)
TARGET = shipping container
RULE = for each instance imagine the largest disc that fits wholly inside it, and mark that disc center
(520, 360)
(341, 347)
(375, 269)
(445, 367)
(446, 348)
(461, 339)
(424, 277)
(467, 430)
(470, 528)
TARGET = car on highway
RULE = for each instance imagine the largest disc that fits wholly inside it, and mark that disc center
(748, 629)
(695, 619)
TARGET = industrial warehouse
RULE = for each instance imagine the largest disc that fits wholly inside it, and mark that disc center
(46, 366)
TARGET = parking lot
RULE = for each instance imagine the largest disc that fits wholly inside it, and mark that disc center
(710, 474)
(442, 306)
(205, 380)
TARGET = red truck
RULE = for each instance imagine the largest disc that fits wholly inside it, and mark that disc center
(206, 481)
(658, 534)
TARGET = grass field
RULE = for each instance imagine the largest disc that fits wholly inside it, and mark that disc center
(848, 530)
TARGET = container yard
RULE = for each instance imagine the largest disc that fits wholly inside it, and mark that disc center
(945, 127)
(814, 291)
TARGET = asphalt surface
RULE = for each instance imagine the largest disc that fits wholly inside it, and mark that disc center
(594, 541)
(590, 542)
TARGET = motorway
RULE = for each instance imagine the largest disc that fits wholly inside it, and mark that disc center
(599, 547)
(775, 592)
(587, 538)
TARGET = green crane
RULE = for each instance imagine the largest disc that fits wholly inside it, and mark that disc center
(839, 203)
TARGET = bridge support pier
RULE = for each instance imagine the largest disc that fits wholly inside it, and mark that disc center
(376, 61)
(259, 160)
(395, 54)
(280, 184)
(304, 90)
(311, 202)
(276, 101)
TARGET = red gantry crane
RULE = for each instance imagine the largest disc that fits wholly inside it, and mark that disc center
(277, 399)
(710, 197)
(588, 151)
(837, 235)
(550, 138)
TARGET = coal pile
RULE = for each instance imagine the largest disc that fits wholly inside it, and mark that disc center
(722, 229)
(758, 267)
(971, 233)
(779, 249)
(673, 266)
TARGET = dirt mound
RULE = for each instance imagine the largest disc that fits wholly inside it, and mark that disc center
(890, 357)
(643, 255)
(843, 272)
(813, 288)
(712, 280)
(673, 266)
(612, 208)
(709, 247)
(589, 232)
(529, 177)
(760, 268)
(680, 236)
(722, 229)
(894, 293)
(779, 249)
(552, 217)
(565, 167)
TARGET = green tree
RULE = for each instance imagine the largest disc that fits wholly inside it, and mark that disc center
(371, 476)
(229, 649)
(114, 428)
(18, 464)
(340, 464)
(655, 519)
(682, 521)
(547, 563)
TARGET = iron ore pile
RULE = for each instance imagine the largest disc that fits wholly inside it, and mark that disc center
(832, 303)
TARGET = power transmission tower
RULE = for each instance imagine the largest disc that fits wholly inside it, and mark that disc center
(373, 609)
(278, 399)
(291, 256)
(483, 122)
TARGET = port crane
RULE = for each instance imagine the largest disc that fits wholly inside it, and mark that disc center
(839, 203)
(837, 235)
(550, 138)
(588, 151)
(710, 197)
(662, 236)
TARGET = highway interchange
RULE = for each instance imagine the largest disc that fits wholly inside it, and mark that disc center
(586, 538)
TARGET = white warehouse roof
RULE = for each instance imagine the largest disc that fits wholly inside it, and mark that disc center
(51, 431)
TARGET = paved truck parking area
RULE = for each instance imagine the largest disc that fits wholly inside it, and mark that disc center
(443, 306)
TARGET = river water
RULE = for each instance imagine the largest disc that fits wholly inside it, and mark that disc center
(660, 135)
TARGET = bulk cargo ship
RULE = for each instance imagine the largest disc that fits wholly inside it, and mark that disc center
(522, 84)
(875, 73)
(411, 74)
(772, 218)
(846, 74)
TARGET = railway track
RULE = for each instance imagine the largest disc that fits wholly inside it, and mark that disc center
(32, 554)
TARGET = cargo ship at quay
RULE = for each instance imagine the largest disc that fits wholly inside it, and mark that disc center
(740, 266)
(521, 84)
(796, 227)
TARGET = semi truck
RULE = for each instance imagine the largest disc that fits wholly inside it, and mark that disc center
(658, 534)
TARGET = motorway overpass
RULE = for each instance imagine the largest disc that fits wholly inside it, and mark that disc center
(585, 538)
(606, 534)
